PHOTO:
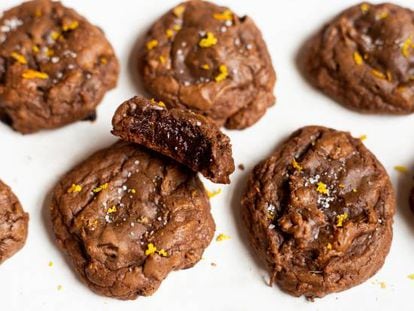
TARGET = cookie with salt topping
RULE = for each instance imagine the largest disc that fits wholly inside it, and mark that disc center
(205, 58)
(364, 58)
(126, 217)
(55, 67)
(319, 211)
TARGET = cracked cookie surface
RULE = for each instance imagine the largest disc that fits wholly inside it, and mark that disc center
(319, 211)
(55, 67)
(13, 223)
(127, 217)
(205, 58)
(364, 59)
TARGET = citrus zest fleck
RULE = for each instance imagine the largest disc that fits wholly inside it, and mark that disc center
(322, 188)
(208, 41)
(212, 194)
(19, 58)
(100, 188)
(358, 58)
(222, 237)
(340, 219)
(223, 73)
(226, 15)
(401, 168)
(75, 188)
(179, 10)
(152, 44)
(71, 26)
(296, 165)
(151, 249)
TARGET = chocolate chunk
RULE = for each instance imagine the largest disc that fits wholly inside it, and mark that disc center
(13, 223)
(127, 217)
(57, 66)
(364, 59)
(180, 134)
(206, 58)
(320, 211)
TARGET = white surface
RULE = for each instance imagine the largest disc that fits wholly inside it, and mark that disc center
(31, 165)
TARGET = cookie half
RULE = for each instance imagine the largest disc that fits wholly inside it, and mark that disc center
(127, 217)
(188, 138)
(363, 58)
(55, 67)
(204, 57)
(13, 223)
(320, 211)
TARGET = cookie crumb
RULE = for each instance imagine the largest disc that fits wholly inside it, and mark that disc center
(241, 167)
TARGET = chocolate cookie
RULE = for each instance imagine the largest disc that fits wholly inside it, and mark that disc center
(320, 212)
(126, 217)
(55, 67)
(13, 223)
(364, 58)
(188, 138)
(206, 58)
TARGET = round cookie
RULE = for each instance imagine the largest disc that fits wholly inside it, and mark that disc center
(364, 59)
(320, 211)
(204, 57)
(55, 67)
(127, 217)
(13, 223)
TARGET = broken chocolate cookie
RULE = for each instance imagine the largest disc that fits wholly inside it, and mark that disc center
(188, 138)
(320, 211)
(127, 217)
(204, 57)
(55, 67)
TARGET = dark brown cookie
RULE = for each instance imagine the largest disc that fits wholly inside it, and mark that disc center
(188, 138)
(206, 58)
(55, 67)
(320, 212)
(13, 223)
(364, 59)
(127, 217)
